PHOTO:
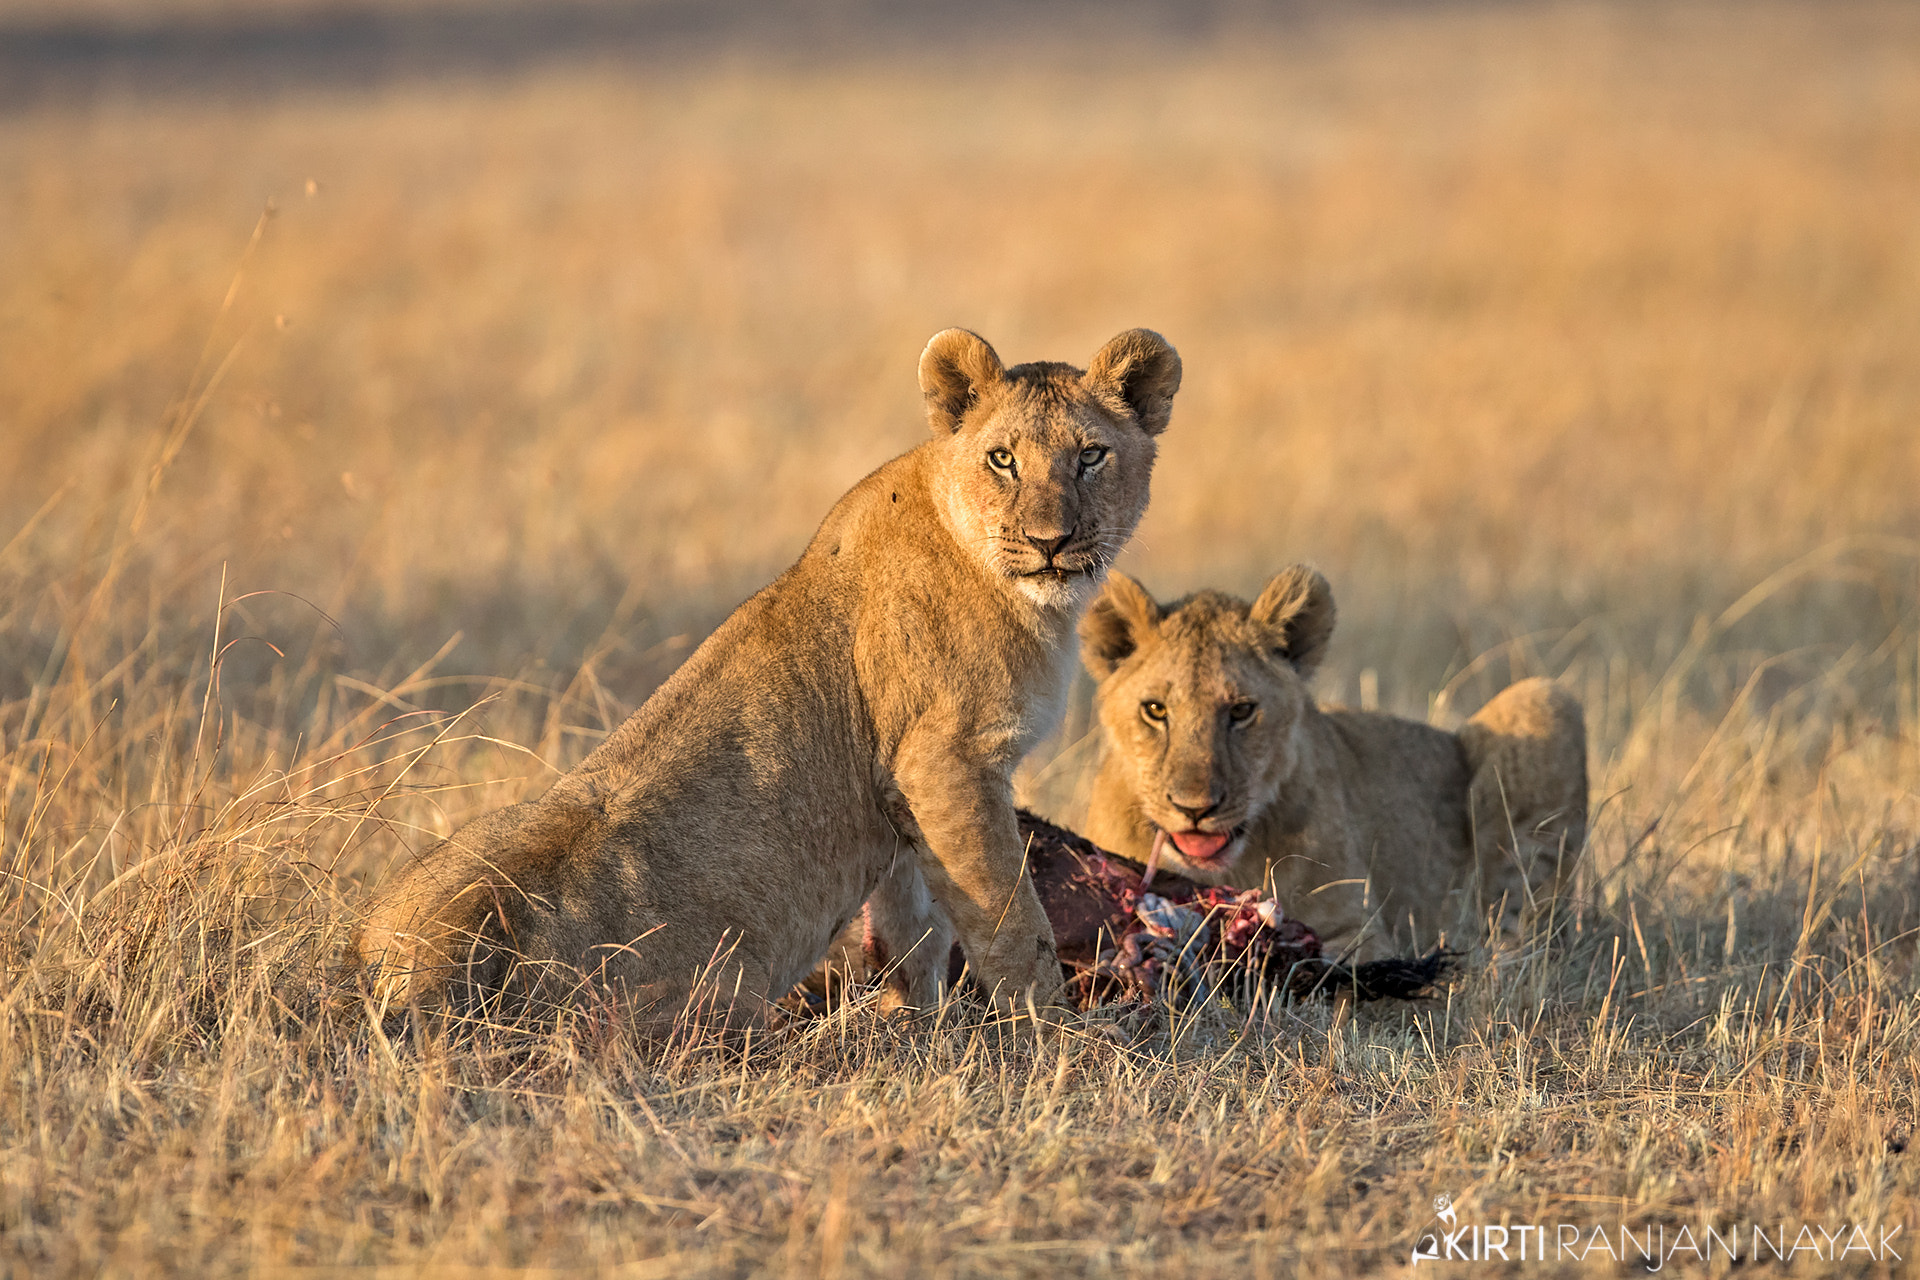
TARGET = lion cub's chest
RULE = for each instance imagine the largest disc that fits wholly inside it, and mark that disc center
(1045, 704)
(1017, 691)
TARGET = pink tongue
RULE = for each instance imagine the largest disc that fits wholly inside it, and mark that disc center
(1199, 844)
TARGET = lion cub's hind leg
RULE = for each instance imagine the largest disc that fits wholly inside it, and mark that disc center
(907, 938)
(1527, 759)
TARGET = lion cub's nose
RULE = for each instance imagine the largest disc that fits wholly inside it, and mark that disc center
(1193, 811)
(1048, 545)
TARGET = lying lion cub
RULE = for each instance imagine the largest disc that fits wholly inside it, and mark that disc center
(849, 733)
(1370, 828)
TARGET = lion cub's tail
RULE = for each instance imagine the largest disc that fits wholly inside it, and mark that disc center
(454, 928)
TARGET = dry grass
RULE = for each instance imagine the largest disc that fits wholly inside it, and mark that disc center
(1578, 340)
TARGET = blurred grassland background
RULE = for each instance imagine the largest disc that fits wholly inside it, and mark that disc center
(1569, 339)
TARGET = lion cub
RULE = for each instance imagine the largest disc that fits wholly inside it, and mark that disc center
(1373, 830)
(850, 732)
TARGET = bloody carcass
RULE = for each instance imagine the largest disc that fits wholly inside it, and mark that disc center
(1132, 934)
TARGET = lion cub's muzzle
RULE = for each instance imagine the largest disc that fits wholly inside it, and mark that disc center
(1056, 558)
(1204, 855)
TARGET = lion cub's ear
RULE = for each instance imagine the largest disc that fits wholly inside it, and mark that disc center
(1116, 624)
(1143, 370)
(954, 369)
(1298, 606)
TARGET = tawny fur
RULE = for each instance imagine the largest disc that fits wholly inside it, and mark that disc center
(850, 733)
(1377, 832)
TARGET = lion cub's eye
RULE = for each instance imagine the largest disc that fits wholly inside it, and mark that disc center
(1092, 456)
(1002, 459)
(1241, 712)
(1154, 711)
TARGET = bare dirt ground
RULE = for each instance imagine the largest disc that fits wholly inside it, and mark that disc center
(1577, 340)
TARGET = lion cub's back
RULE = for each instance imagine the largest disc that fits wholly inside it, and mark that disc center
(1404, 767)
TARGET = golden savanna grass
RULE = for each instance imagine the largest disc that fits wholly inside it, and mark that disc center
(1576, 340)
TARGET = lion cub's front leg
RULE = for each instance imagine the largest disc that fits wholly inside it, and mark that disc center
(972, 860)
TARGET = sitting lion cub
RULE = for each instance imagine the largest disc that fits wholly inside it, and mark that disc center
(849, 733)
(1371, 829)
